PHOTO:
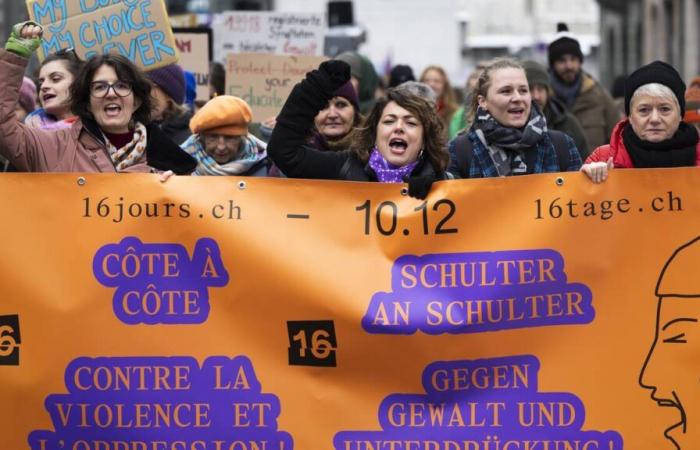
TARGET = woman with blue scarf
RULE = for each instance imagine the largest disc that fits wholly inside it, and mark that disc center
(400, 141)
(509, 134)
(221, 143)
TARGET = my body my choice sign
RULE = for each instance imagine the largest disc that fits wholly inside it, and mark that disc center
(137, 29)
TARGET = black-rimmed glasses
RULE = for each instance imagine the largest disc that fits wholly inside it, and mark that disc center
(100, 89)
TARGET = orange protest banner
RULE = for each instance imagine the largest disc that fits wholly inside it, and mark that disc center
(221, 313)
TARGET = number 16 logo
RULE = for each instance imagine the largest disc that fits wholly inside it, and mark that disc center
(312, 343)
(9, 340)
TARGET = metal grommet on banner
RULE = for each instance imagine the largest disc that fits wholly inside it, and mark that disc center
(559, 181)
(242, 185)
(404, 191)
(81, 181)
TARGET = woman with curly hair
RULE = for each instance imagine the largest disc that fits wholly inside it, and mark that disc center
(401, 140)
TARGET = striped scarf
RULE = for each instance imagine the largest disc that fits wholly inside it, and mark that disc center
(252, 151)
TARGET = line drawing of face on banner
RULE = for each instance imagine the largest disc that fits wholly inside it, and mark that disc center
(672, 367)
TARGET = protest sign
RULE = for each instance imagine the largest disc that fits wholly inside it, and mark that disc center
(537, 312)
(137, 29)
(265, 81)
(268, 32)
(194, 45)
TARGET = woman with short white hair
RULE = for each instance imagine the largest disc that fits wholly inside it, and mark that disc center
(654, 134)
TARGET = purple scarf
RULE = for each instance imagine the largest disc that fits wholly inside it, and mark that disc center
(387, 172)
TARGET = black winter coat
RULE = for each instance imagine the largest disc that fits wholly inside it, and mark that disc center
(296, 158)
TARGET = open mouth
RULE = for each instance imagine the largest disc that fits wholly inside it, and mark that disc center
(112, 110)
(46, 97)
(516, 111)
(398, 145)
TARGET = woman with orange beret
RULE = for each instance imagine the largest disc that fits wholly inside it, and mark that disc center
(221, 143)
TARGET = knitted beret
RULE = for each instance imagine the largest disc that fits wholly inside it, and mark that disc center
(171, 79)
(656, 72)
(224, 114)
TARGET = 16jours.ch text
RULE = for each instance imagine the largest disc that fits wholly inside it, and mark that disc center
(119, 210)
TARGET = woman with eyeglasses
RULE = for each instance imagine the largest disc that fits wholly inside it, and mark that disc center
(56, 74)
(112, 100)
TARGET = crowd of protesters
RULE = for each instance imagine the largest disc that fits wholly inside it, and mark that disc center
(343, 122)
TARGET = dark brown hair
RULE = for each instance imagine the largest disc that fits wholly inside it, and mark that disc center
(434, 144)
(126, 72)
(70, 60)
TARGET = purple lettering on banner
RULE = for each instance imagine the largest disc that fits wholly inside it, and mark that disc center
(119, 403)
(478, 292)
(159, 283)
(485, 404)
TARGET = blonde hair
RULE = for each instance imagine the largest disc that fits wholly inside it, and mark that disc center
(448, 99)
(484, 82)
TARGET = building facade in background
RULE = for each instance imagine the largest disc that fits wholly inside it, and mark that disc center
(456, 34)
(524, 28)
(636, 32)
(616, 36)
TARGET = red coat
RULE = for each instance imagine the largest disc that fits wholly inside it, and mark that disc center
(616, 149)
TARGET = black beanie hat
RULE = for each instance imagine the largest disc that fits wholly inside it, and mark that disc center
(400, 74)
(656, 72)
(564, 44)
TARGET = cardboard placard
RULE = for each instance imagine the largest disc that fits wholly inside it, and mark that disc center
(137, 29)
(265, 81)
(194, 45)
(268, 32)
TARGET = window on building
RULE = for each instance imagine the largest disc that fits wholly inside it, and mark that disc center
(670, 38)
(654, 33)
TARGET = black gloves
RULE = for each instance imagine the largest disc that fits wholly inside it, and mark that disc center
(419, 185)
(329, 76)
